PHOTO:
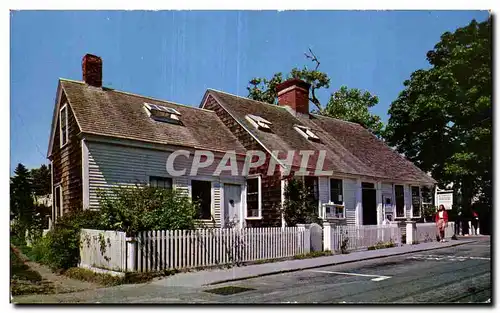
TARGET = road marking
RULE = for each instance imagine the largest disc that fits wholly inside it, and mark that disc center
(375, 277)
(448, 257)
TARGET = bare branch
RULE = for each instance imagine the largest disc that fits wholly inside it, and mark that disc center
(313, 58)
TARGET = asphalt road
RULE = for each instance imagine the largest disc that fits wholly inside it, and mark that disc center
(457, 274)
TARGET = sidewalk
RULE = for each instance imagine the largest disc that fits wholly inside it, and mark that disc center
(239, 273)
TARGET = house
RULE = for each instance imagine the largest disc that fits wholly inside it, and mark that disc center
(102, 137)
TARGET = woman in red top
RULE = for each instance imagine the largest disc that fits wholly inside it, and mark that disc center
(441, 221)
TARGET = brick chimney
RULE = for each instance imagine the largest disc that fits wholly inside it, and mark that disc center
(294, 93)
(92, 70)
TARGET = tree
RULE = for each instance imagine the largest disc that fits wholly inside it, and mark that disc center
(21, 198)
(442, 120)
(352, 105)
(346, 104)
(41, 180)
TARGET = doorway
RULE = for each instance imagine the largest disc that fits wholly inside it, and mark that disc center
(232, 205)
(369, 203)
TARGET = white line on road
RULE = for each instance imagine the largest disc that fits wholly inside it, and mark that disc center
(450, 257)
(375, 277)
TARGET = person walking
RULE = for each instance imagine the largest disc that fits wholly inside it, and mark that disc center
(475, 223)
(441, 221)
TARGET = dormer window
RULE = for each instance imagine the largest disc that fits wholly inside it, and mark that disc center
(259, 122)
(306, 132)
(163, 114)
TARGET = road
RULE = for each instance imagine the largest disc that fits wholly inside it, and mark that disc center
(457, 274)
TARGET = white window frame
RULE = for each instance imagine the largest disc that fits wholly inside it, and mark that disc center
(306, 132)
(411, 200)
(61, 210)
(61, 144)
(259, 186)
(395, 204)
(331, 203)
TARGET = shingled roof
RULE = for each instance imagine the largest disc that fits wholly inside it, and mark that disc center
(107, 112)
(350, 148)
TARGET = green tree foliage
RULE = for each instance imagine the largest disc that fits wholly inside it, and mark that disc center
(346, 104)
(353, 105)
(21, 197)
(41, 180)
(442, 120)
(133, 209)
(299, 206)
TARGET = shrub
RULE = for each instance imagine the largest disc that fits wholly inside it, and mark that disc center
(127, 209)
(299, 206)
(133, 209)
(382, 245)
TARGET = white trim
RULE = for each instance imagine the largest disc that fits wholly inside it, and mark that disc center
(52, 190)
(85, 175)
(61, 144)
(61, 210)
(395, 202)
(259, 187)
(359, 203)
(283, 187)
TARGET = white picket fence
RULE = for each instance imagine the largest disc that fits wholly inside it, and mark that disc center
(179, 249)
(182, 249)
(360, 237)
(103, 249)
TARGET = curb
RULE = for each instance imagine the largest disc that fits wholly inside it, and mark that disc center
(335, 263)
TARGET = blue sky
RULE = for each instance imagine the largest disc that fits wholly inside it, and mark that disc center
(176, 55)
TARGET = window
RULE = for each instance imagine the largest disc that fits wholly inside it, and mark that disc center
(163, 114)
(57, 203)
(333, 211)
(259, 122)
(400, 200)
(63, 125)
(160, 182)
(336, 192)
(311, 184)
(416, 201)
(254, 197)
(201, 193)
(306, 132)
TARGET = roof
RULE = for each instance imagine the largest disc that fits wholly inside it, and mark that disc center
(107, 112)
(350, 148)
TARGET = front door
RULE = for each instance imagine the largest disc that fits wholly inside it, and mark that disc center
(369, 201)
(232, 205)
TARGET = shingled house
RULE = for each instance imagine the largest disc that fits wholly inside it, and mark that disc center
(102, 137)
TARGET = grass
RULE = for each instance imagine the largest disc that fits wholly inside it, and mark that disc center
(382, 245)
(113, 280)
(24, 280)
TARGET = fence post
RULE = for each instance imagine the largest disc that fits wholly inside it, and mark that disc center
(131, 254)
(306, 237)
(411, 232)
(470, 228)
(327, 237)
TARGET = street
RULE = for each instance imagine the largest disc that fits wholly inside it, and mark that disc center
(450, 275)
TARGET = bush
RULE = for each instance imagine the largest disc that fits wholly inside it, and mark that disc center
(382, 245)
(299, 206)
(133, 209)
(123, 209)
